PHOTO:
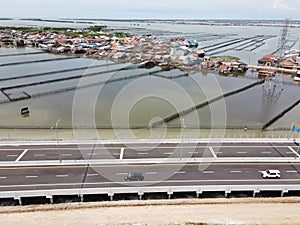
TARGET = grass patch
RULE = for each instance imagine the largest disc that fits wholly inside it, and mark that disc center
(226, 58)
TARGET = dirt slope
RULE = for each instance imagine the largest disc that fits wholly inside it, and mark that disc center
(279, 211)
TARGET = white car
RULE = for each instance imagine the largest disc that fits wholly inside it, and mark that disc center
(270, 174)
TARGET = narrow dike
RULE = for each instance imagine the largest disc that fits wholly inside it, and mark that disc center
(56, 72)
(279, 115)
(201, 105)
(63, 90)
(20, 54)
(38, 61)
(60, 79)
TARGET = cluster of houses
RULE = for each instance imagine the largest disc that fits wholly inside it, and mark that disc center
(178, 52)
(143, 49)
(289, 62)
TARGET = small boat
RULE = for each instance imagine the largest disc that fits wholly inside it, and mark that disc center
(297, 77)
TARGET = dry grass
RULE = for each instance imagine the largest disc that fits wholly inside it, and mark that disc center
(137, 203)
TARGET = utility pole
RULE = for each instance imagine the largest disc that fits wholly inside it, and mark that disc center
(57, 139)
(283, 38)
(183, 126)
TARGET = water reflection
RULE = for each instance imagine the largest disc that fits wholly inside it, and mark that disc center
(122, 96)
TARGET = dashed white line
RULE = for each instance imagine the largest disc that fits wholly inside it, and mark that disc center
(143, 153)
(208, 172)
(241, 152)
(116, 154)
(23, 153)
(3, 177)
(39, 155)
(61, 176)
(266, 152)
(12, 155)
(92, 154)
(66, 155)
(168, 153)
(121, 174)
(292, 171)
(193, 152)
(92, 175)
(180, 172)
(235, 171)
(151, 173)
(31, 176)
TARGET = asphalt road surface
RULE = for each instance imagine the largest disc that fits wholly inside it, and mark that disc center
(42, 177)
(145, 151)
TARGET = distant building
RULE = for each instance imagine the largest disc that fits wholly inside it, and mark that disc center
(267, 60)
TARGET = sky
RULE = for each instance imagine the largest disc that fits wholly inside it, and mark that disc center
(152, 9)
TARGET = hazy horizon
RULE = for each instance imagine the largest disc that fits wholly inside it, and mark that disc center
(155, 9)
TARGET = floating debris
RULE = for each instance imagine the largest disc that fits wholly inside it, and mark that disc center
(25, 112)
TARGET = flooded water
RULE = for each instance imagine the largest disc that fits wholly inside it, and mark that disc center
(89, 93)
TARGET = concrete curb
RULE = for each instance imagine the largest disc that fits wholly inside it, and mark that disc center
(147, 141)
(150, 161)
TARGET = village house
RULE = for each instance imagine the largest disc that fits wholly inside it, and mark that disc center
(268, 60)
(134, 48)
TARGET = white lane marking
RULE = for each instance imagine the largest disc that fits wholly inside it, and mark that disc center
(12, 155)
(180, 172)
(235, 171)
(213, 152)
(193, 152)
(151, 173)
(297, 154)
(219, 152)
(39, 155)
(66, 155)
(241, 152)
(121, 174)
(292, 171)
(3, 177)
(20, 157)
(116, 154)
(31, 176)
(289, 153)
(146, 147)
(266, 152)
(208, 172)
(168, 153)
(92, 175)
(92, 154)
(122, 153)
(61, 176)
(143, 153)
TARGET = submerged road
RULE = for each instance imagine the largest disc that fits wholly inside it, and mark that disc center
(54, 166)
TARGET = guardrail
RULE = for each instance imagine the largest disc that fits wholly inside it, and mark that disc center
(217, 139)
(140, 191)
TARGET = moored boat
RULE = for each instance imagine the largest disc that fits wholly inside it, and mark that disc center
(297, 77)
